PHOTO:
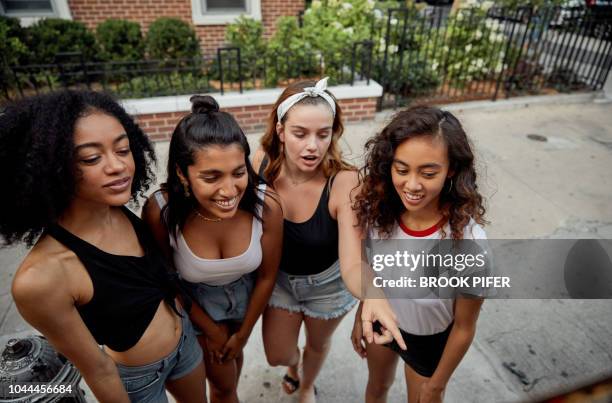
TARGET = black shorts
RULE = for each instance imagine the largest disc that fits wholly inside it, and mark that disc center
(423, 353)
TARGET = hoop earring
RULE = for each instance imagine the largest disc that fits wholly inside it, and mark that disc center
(450, 186)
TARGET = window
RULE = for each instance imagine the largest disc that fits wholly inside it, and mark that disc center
(224, 6)
(20, 7)
(31, 10)
(219, 12)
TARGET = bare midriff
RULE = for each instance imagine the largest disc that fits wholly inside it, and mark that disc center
(160, 339)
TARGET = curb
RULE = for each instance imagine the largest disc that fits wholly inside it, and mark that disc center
(525, 102)
(513, 103)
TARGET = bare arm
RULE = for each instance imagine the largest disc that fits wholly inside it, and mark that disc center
(357, 334)
(59, 321)
(350, 235)
(271, 244)
(375, 307)
(459, 341)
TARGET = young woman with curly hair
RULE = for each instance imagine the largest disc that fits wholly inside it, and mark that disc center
(420, 183)
(222, 228)
(300, 157)
(70, 161)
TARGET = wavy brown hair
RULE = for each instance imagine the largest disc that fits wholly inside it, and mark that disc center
(271, 144)
(379, 206)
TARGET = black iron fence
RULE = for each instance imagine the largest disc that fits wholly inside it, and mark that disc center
(415, 53)
(125, 79)
(227, 70)
(430, 55)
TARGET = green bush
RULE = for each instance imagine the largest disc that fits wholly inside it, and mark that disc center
(471, 48)
(171, 38)
(246, 34)
(163, 84)
(120, 40)
(13, 50)
(50, 36)
(289, 55)
(321, 46)
(288, 37)
(413, 78)
(12, 42)
(332, 29)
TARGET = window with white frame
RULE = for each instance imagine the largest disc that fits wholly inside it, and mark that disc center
(217, 12)
(31, 10)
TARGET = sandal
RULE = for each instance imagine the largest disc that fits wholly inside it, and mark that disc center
(290, 385)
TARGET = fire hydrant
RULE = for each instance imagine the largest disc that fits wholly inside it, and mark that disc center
(32, 371)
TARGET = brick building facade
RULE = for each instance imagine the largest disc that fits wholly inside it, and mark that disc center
(252, 119)
(208, 17)
(158, 116)
(93, 12)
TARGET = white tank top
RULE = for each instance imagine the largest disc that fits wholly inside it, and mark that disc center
(217, 272)
(426, 316)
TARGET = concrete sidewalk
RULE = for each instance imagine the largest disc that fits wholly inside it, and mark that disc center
(524, 348)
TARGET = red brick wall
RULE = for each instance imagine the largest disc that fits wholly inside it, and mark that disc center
(93, 12)
(272, 9)
(252, 119)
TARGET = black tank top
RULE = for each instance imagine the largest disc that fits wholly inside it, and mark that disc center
(310, 247)
(127, 289)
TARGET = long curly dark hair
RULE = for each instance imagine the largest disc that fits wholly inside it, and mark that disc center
(379, 206)
(204, 126)
(37, 162)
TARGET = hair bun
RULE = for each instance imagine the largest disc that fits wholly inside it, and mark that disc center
(203, 104)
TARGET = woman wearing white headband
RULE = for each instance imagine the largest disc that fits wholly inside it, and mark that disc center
(300, 156)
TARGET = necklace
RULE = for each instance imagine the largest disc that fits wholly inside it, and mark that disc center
(216, 219)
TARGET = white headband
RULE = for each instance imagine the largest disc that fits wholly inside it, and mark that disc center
(317, 91)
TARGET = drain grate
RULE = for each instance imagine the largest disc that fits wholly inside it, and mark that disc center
(537, 137)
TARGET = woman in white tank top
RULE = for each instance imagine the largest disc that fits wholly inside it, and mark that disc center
(222, 229)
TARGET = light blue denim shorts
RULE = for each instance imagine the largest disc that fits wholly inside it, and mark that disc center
(145, 383)
(224, 302)
(320, 296)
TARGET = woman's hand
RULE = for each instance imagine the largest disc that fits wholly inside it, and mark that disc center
(233, 347)
(357, 337)
(378, 309)
(271, 243)
(430, 393)
(215, 343)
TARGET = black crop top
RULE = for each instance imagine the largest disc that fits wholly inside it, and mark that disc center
(127, 289)
(310, 247)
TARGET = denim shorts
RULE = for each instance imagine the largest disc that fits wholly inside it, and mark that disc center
(320, 296)
(145, 383)
(224, 302)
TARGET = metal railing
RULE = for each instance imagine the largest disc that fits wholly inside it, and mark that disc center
(425, 55)
(431, 56)
(229, 69)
